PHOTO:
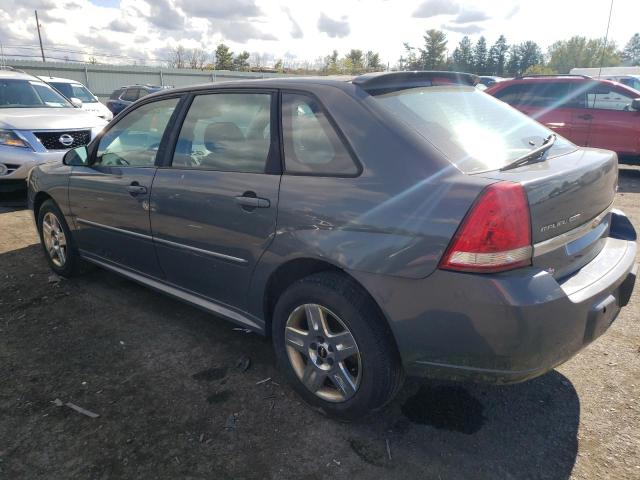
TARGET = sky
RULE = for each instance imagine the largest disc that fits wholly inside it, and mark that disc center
(295, 31)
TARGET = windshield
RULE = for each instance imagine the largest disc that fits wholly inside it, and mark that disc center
(29, 94)
(71, 90)
(474, 130)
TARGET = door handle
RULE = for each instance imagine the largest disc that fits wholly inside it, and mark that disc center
(249, 201)
(136, 189)
(586, 116)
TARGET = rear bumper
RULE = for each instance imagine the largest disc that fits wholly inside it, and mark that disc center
(507, 327)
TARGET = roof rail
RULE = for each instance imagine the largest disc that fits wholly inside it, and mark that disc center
(543, 75)
(390, 81)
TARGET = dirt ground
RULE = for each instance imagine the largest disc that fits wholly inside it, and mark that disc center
(174, 400)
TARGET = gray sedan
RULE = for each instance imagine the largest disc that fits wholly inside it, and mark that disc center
(388, 224)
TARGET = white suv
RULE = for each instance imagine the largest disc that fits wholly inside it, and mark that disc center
(37, 124)
(79, 95)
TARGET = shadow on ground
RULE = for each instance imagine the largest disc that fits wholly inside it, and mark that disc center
(175, 401)
(628, 180)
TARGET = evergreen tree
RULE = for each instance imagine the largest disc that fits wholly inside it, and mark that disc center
(480, 56)
(224, 58)
(462, 57)
(433, 56)
(631, 52)
(497, 59)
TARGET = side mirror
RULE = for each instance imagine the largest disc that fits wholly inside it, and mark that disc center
(635, 104)
(77, 157)
(76, 102)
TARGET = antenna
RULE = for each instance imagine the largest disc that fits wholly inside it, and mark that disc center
(606, 37)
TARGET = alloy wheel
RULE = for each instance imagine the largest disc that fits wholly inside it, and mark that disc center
(323, 353)
(55, 240)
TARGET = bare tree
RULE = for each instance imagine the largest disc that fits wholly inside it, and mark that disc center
(177, 57)
(197, 58)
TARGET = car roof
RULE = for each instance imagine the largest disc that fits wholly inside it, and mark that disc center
(375, 81)
(16, 74)
(58, 80)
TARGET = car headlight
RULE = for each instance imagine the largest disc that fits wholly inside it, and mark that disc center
(11, 139)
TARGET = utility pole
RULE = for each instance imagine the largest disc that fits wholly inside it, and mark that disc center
(39, 36)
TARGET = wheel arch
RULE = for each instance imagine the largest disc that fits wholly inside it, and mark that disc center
(296, 269)
(38, 200)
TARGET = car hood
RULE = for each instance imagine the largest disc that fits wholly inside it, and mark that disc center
(47, 119)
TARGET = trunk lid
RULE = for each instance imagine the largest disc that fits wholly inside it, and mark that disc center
(568, 198)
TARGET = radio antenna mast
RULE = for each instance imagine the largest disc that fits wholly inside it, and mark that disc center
(606, 37)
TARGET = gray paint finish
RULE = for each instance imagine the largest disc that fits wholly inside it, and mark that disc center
(386, 227)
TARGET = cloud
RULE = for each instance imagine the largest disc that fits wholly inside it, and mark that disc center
(513, 12)
(469, 16)
(431, 8)
(333, 28)
(296, 31)
(122, 26)
(240, 31)
(216, 9)
(164, 15)
(466, 29)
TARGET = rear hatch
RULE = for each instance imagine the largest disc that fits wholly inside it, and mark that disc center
(569, 197)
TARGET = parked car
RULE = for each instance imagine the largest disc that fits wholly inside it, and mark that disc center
(488, 80)
(589, 112)
(632, 81)
(125, 96)
(395, 223)
(72, 89)
(37, 124)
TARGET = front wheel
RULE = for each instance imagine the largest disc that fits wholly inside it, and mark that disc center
(56, 240)
(334, 347)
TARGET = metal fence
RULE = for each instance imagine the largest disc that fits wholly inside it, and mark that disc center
(104, 79)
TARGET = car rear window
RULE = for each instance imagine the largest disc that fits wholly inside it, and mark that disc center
(474, 130)
(115, 95)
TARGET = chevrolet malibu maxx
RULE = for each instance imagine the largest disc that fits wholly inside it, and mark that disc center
(375, 227)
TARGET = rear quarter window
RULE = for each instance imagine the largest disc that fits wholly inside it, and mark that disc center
(311, 144)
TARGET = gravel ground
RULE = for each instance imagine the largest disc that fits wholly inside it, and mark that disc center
(173, 401)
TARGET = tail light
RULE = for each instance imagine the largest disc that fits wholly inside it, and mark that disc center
(495, 235)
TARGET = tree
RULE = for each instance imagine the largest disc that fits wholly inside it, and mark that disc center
(582, 52)
(631, 52)
(539, 69)
(497, 58)
(224, 58)
(355, 60)
(433, 56)
(197, 58)
(480, 56)
(331, 63)
(463, 55)
(410, 62)
(372, 62)
(177, 57)
(523, 56)
(279, 65)
(241, 61)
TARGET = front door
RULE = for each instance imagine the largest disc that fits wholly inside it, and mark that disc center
(109, 199)
(213, 209)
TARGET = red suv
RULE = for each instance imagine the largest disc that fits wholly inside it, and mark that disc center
(589, 112)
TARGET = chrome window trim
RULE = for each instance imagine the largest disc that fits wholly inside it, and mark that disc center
(563, 239)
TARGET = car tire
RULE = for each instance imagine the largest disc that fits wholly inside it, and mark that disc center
(317, 323)
(57, 241)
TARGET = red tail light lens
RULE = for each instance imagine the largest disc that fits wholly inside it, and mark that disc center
(495, 235)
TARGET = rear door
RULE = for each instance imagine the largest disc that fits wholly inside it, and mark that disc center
(214, 205)
(607, 119)
(109, 199)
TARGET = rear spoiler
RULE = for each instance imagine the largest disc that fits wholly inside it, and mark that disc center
(382, 82)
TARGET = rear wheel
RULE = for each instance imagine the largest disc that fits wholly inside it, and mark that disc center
(334, 347)
(56, 240)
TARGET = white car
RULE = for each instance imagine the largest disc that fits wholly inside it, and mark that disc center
(79, 96)
(37, 125)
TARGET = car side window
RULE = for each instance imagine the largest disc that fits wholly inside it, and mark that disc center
(130, 95)
(547, 95)
(511, 94)
(604, 97)
(228, 132)
(311, 144)
(135, 139)
(142, 93)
